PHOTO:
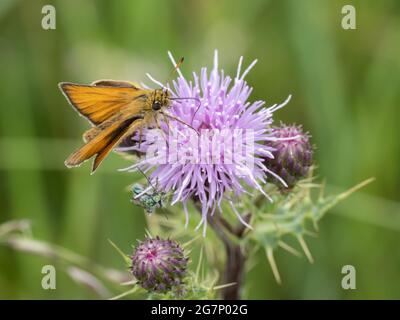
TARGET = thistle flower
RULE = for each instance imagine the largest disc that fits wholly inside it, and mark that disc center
(159, 265)
(293, 154)
(217, 107)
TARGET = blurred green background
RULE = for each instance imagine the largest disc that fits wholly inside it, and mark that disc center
(345, 86)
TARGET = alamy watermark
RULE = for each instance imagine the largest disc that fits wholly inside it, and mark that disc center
(349, 17)
(209, 146)
(349, 280)
(49, 278)
(49, 17)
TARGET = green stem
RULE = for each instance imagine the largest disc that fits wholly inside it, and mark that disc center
(235, 258)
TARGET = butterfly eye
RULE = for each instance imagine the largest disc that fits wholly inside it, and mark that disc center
(156, 105)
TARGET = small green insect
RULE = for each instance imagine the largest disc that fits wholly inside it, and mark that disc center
(148, 200)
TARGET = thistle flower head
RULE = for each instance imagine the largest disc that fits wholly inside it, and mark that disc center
(218, 145)
(293, 155)
(159, 265)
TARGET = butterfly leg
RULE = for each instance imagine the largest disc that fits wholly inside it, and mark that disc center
(180, 121)
(140, 135)
(159, 127)
(167, 122)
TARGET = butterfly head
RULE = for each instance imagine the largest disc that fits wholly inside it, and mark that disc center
(160, 100)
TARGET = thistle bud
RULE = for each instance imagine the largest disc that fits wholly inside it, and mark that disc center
(159, 265)
(293, 155)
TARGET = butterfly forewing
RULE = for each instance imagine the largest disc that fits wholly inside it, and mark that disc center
(101, 100)
(113, 107)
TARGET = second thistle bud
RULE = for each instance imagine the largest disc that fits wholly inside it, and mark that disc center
(293, 154)
(159, 265)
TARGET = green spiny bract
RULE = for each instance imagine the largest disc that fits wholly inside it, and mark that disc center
(294, 215)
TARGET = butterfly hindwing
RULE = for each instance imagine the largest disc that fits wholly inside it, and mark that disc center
(102, 143)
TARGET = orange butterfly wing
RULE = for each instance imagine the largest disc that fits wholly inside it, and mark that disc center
(101, 100)
(101, 144)
(113, 107)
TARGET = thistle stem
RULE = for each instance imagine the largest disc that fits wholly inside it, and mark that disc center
(234, 271)
(235, 257)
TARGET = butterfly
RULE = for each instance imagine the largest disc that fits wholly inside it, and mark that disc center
(116, 110)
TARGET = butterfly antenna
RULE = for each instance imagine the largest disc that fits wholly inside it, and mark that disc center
(194, 114)
(190, 98)
(179, 63)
